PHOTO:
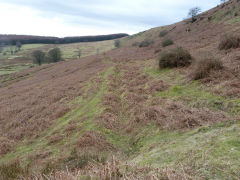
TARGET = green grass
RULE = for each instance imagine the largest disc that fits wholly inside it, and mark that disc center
(13, 68)
(70, 51)
(26, 47)
(195, 95)
(212, 152)
(168, 75)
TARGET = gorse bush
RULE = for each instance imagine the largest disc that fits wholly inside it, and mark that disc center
(204, 66)
(163, 33)
(167, 42)
(177, 57)
(146, 43)
(228, 42)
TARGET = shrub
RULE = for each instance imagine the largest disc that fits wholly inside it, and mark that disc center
(117, 43)
(204, 66)
(177, 57)
(55, 55)
(163, 33)
(146, 43)
(167, 42)
(38, 57)
(228, 42)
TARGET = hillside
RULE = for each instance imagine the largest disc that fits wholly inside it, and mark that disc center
(117, 115)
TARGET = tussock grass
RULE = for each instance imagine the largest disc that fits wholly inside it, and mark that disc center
(228, 42)
(205, 65)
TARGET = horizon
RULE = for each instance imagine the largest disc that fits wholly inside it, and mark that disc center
(96, 17)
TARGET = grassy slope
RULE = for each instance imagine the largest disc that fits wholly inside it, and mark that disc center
(211, 152)
(208, 152)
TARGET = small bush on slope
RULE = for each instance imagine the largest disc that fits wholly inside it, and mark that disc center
(146, 43)
(163, 33)
(228, 42)
(204, 66)
(177, 57)
(167, 42)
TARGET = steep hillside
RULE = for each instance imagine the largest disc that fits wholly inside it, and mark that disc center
(117, 115)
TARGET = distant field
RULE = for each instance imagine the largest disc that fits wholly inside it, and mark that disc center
(13, 68)
(10, 63)
(87, 49)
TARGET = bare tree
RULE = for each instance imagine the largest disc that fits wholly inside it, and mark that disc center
(193, 12)
(223, 1)
(38, 57)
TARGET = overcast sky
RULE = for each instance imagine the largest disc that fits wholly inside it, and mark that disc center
(92, 17)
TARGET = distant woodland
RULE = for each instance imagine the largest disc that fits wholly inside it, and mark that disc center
(26, 39)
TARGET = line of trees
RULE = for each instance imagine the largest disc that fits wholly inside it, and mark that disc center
(40, 57)
(13, 39)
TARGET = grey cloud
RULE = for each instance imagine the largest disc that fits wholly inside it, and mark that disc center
(148, 13)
